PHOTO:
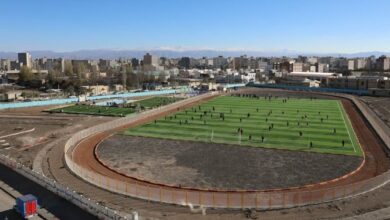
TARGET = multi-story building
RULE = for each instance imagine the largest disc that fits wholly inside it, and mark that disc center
(25, 59)
(151, 60)
(357, 64)
(264, 66)
(312, 60)
(241, 62)
(104, 65)
(360, 63)
(351, 64)
(323, 68)
(220, 62)
(298, 67)
(184, 62)
(51, 64)
(134, 63)
(383, 63)
(5, 64)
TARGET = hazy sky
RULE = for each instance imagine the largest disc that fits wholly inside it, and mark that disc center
(302, 25)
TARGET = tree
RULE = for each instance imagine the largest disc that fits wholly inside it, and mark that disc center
(51, 78)
(161, 78)
(26, 76)
(80, 69)
(68, 69)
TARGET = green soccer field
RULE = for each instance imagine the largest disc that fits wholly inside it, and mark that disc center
(152, 102)
(315, 125)
(94, 110)
(157, 101)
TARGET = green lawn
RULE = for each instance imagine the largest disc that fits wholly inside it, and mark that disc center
(94, 110)
(157, 101)
(219, 119)
(116, 111)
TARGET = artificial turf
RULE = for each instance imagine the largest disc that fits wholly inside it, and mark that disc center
(157, 101)
(115, 111)
(279, 120)
(94, 110)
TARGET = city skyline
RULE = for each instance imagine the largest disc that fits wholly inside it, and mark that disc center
(301, 26)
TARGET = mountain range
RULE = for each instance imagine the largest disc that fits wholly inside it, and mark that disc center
(113, 54)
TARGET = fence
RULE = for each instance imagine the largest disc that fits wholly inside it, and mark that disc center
(70, 100)
(310, 89)
(81, 201)
(211, 198)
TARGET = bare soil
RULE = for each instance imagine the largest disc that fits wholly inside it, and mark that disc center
(25, 143)
(219, 166)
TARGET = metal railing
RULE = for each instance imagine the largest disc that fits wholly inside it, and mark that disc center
(79, 200)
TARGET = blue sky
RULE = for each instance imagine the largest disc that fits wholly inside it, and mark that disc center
(343, 26)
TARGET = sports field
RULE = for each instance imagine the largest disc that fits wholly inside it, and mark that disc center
(157, 101)
(94, 110)
(115, 111)
(316, 125)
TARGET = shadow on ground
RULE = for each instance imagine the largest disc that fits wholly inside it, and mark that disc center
(56, 205)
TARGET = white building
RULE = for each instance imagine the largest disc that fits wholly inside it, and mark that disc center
(323, 68)
(298, 67)
(309, 75)
(248, 77)
(351, 64)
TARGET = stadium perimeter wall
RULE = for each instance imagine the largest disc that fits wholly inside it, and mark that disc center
(271, 199)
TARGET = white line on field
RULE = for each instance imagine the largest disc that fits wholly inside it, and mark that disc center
(346, 126)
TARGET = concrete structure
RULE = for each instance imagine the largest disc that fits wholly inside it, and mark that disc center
(360, 83)
(379, 92)
(301, 82)
(10, 96)
(310, 75)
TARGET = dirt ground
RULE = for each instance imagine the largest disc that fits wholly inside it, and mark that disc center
(25, 131)
(219, 166)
